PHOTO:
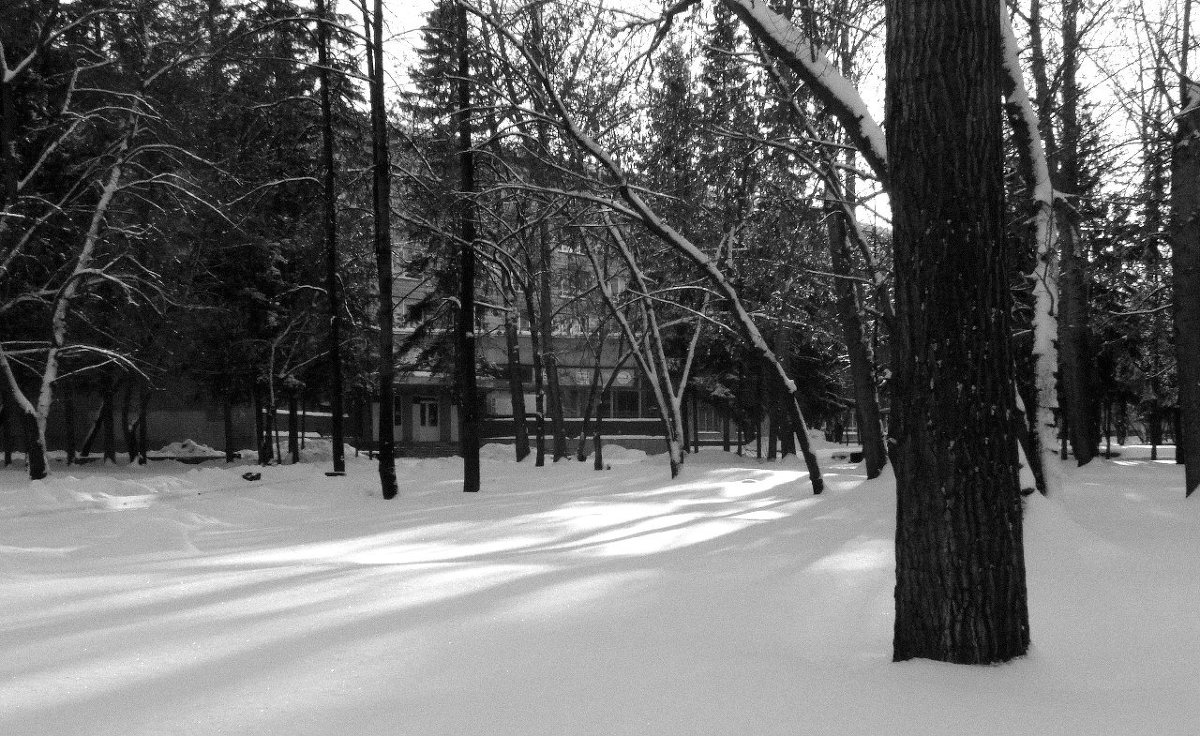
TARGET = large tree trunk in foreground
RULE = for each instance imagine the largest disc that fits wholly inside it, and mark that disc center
(960, 572)
(1185, 262)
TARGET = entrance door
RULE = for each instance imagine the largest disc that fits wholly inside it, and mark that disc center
(426, 422)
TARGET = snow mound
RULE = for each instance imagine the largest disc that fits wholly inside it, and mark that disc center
(617, 455)
(497, 451)
(187, 448)
(320, 450)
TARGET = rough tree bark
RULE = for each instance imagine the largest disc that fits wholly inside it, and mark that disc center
(382, 197)
(329, 223)
(516, 387)
(862, 380)
(468, 405)
(960, 572)
(1185, 263)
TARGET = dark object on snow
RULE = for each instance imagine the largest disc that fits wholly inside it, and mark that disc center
(856, 457)
(252, 476)
(335, 473)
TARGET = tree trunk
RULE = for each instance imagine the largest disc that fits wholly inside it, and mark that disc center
(695, 422)
(128, 426)
(143, 424)
(597, 445)
(1185, 263)
(468, 405)
(591, 407)
(69, 420)
(382, 198)
(293, 426)
(772, 429)
(6, 437)
(108, 410)
(227, 417)
(262, 436)
(329, 221)
(35, 446)
(538, 384)
(862, 371)
(1076, 355)
(516, 387)
(545, 269)
(960, 573)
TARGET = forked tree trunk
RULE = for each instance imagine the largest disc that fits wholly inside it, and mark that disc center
(1185, 262)
(960, 572)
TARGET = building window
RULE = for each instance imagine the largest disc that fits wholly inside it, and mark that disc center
(427, 412)
(624, 404)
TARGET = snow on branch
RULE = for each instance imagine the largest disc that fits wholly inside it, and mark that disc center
(810, 62)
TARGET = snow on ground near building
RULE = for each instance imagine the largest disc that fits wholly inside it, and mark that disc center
(176, 599)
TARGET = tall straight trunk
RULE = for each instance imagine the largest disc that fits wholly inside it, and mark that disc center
(772, 417)
(143, 421)
(382, 191)
(960, 572)
(862, 372)
(591, 407)
(329, 222)
(270, 438)
(35, 446)
(539, 406)
(1076, 354)
(293, 425)
(695, 422)
(516, 388)
(597, 444)
(69, 420)
(262, 438)
(1185, 265)
(553, 387)
(1029, 126)
(108, 437)
(128, 424)
(468, 405)
(546, 267)
(725, 433)
(6, 436)
(227, 420)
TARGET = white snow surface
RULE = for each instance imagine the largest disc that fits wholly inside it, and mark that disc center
(174, 599)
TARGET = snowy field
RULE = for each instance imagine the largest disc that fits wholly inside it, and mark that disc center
(177, 599)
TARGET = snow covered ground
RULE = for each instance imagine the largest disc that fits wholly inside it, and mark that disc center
(182, 599)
